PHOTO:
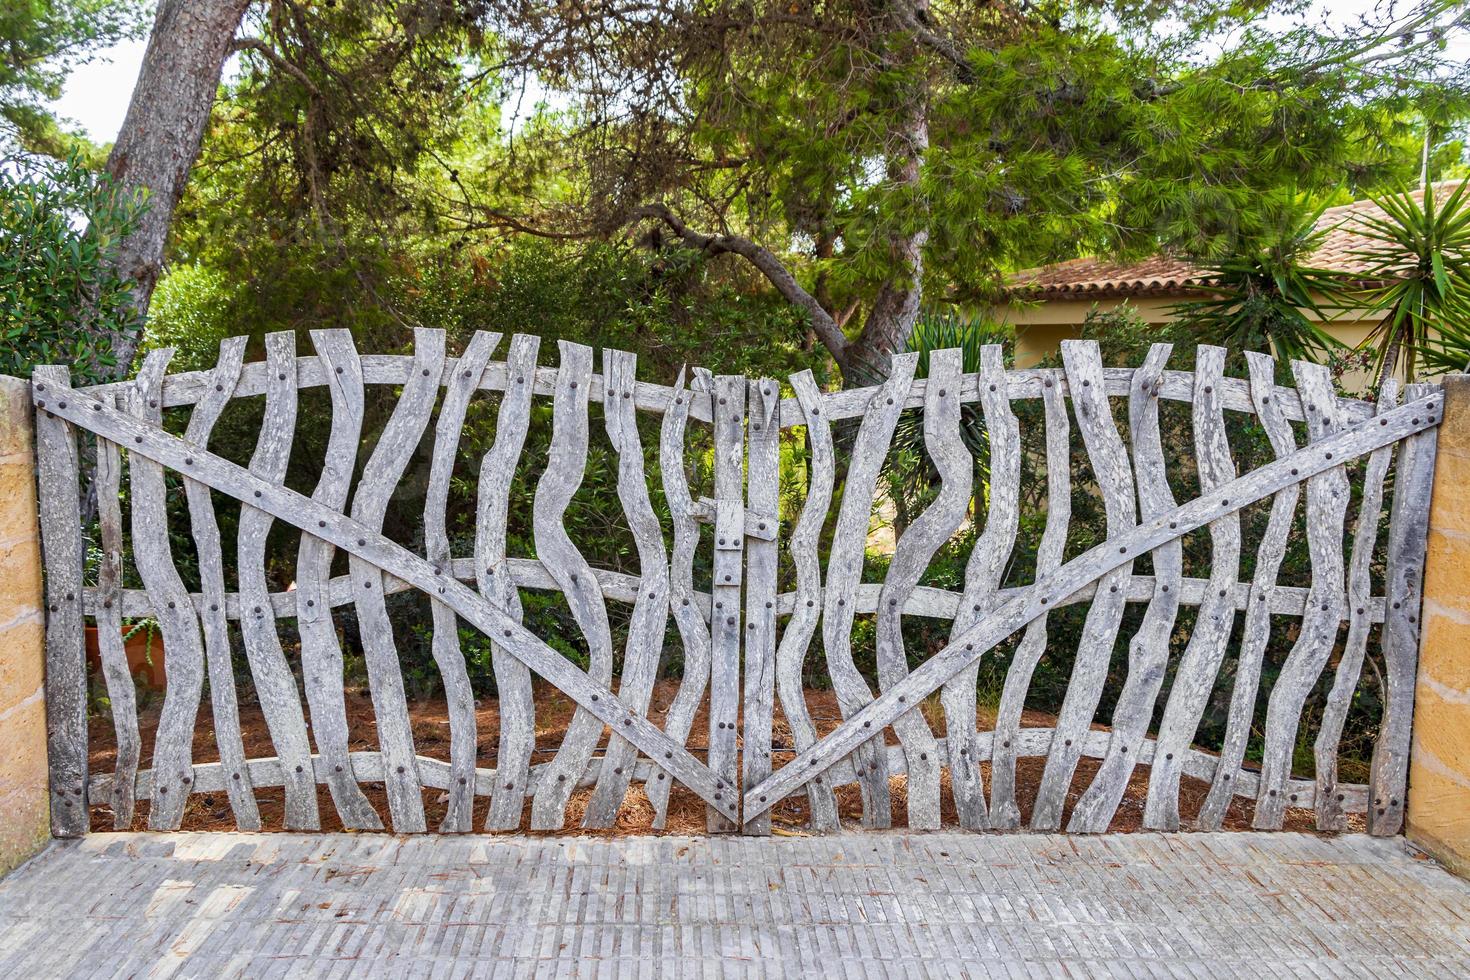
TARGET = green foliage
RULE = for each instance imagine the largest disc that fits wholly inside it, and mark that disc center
(58, 221)
(1421, 257)
(1267, 299)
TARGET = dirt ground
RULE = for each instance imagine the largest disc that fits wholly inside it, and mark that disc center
(210, 811)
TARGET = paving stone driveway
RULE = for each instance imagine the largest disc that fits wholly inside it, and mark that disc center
(859, 905)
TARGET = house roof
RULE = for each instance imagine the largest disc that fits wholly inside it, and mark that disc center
(1165, 275)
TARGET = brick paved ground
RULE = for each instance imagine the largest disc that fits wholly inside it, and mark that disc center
(861, 905)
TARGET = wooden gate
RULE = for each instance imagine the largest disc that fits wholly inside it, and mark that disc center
(740, 619)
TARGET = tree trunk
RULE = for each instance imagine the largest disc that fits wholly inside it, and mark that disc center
(161, 135)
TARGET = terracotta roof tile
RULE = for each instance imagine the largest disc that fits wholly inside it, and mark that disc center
(1167, 275)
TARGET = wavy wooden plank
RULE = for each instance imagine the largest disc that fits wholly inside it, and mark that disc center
(1085, 569)
(1194, 678)
(763, 499)
(275, 685)
(391, 558)
(321, 654)
(987, 562)
(1262, 601)
(1004, 813)
(650, 616)
(1109, 459)
(845, 568)
(1407, 540)
(564, 468)
(464, 376)
(911, 556)
(725, 641)
(1148, 651)
(173, 746)
(805, 612)
(219, 660)
(690, 614)
(121, 695)
(59, 480)
(380, 477)
(496, 583)
(1330, 815)
(1327, 500)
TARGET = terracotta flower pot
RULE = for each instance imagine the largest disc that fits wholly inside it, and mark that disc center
(144, 649)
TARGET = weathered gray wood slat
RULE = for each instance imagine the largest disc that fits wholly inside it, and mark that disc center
(650, 616)
(987, 562)
(1330, 815)
(173, 745)
(1407, 542)
(564, 469)
(321, 654)
(380, 477)
(1327, 500)
(1086, 568)
(729, 557)
(1004, 812)
(121, 694)
(763, 500)
(58, 477)
(1148, 651)
(805, 612)
(911, 555)
(464, 374)
(691, 616)
(1194, 678)
(496, 583)
(275, 685)
(845, 569)
(219, 659)
(1109, 459)
(1032, 742)
(393, 559)
(1261, 604)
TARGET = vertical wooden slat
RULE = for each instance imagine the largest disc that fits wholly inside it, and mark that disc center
(764, 498)
(321, 653)
(121, 693)
(1330, 814)
(173, 745)
(650, 616)
(1195, 676)
(380, 478)
(275, 686)
(1004, 813)
(1327, 500)
(983, 572)
(803, 549)
(844, 571)
(1407, 541)
(728, 412)
(464, 379)
(1257, 628)
(66, 664)
(205, 527)
(1148, 651)
(492, 572)
(564, 469)
(1095, 647)
(693, 625)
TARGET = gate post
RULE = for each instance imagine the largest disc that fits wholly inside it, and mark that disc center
(1439, 762)
(24, 821)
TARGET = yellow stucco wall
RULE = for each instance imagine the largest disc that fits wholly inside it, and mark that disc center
(24, 813)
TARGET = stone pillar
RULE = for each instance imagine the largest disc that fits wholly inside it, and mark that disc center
(24, 808)
(1439, 762)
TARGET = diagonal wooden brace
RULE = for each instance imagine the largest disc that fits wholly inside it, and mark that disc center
(322, 522)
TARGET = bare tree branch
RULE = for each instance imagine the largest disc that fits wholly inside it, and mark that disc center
(274, 57)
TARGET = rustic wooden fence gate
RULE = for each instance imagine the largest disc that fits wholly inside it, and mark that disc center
(734, 624)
